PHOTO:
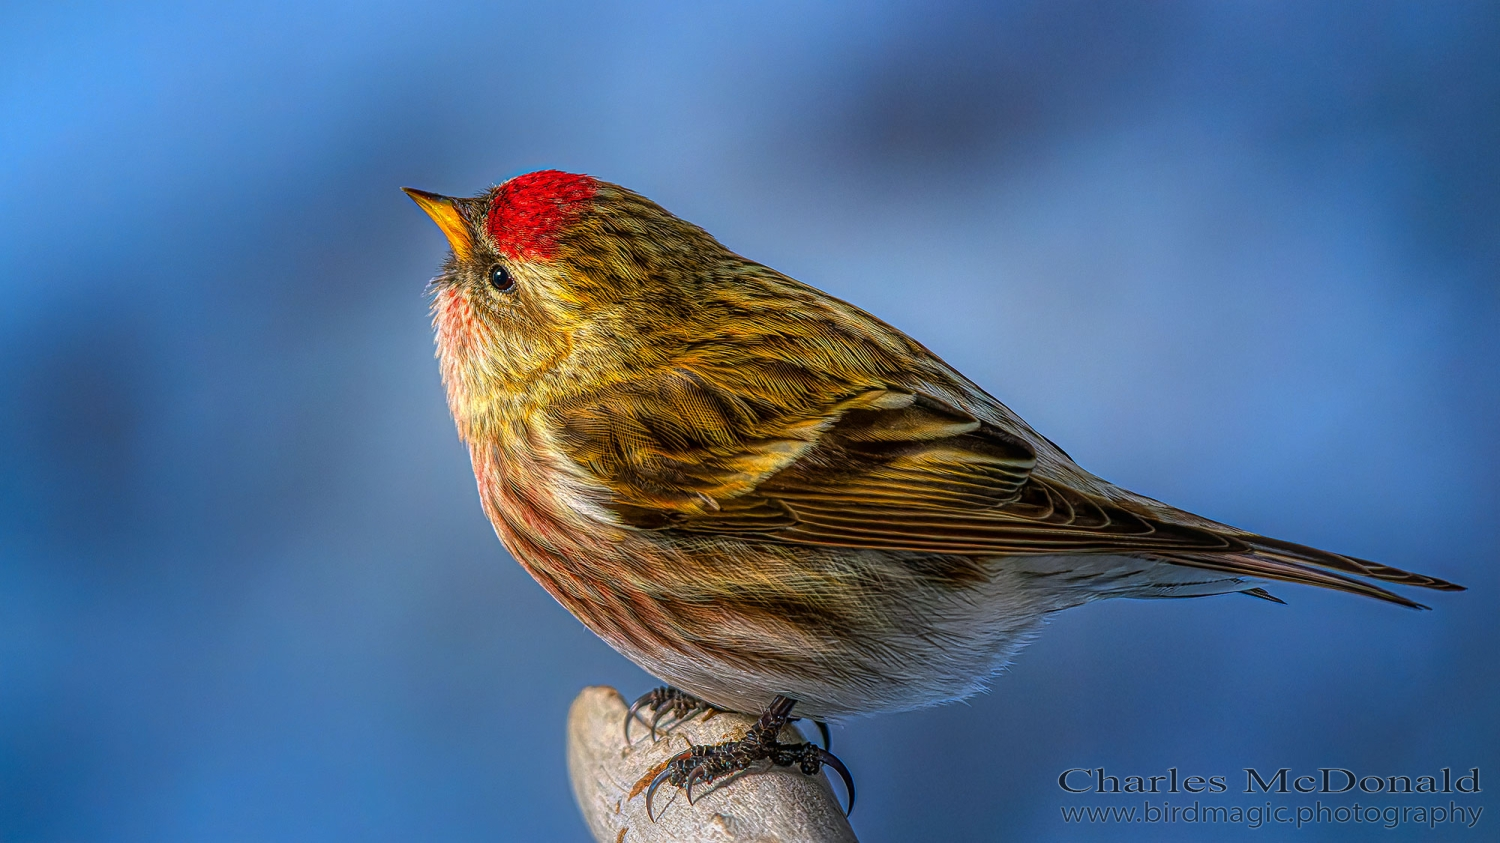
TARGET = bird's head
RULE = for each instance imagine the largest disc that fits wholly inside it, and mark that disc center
(556, 277)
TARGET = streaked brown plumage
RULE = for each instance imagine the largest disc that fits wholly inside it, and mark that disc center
(751, 488)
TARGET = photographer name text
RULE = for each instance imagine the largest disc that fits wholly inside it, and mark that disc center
(1282, 780)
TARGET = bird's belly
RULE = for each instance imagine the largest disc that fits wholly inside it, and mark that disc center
(736, 620)
(844, 632)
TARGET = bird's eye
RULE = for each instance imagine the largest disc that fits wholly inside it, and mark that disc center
(500, 279)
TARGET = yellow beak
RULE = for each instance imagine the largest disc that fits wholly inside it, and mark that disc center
(445, 212)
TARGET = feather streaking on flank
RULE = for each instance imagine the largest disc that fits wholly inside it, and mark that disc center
(751, 488)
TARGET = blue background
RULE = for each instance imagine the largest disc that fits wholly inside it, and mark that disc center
(1242, 257)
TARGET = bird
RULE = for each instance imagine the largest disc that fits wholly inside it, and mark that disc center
(768, 498)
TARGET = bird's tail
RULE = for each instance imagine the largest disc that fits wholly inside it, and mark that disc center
(1274, 559)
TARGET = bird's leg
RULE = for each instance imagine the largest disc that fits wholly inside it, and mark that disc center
(662, 702)
(707, 764)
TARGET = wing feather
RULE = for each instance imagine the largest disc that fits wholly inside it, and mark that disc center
(892, 469)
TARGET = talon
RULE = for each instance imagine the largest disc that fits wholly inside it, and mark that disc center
(656, 717)
(702, 765)
(693, 778)
(823, 756)
(827, 737)
(666, 773)
(651, 699)
(651, 794)
(663, 702)
(634, 714)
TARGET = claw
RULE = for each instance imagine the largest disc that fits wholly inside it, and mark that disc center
(827, 737)
(666, 773)
(832, 760)
(651, 793)
(656, 717)
(634, 714)
(664, 703)
(693, 778)
(705, 764)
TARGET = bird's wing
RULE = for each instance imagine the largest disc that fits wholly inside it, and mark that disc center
(892, 469)
(929, 477)
(883, 468)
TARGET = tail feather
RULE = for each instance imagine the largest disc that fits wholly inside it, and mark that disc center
(1263, 595)
(1293, 552)
(1274, 559)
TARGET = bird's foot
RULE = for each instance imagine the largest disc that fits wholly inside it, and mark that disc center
(661, 703)
(667, 701)
(702, 765)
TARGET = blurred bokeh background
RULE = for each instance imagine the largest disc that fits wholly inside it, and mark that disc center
(1242, 257)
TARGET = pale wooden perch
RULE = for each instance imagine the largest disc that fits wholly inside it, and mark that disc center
(782, 806)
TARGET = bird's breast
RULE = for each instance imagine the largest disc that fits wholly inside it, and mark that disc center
(619, 582)
(542, 508)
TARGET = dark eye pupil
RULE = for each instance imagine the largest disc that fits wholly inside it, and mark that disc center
(500, 279)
